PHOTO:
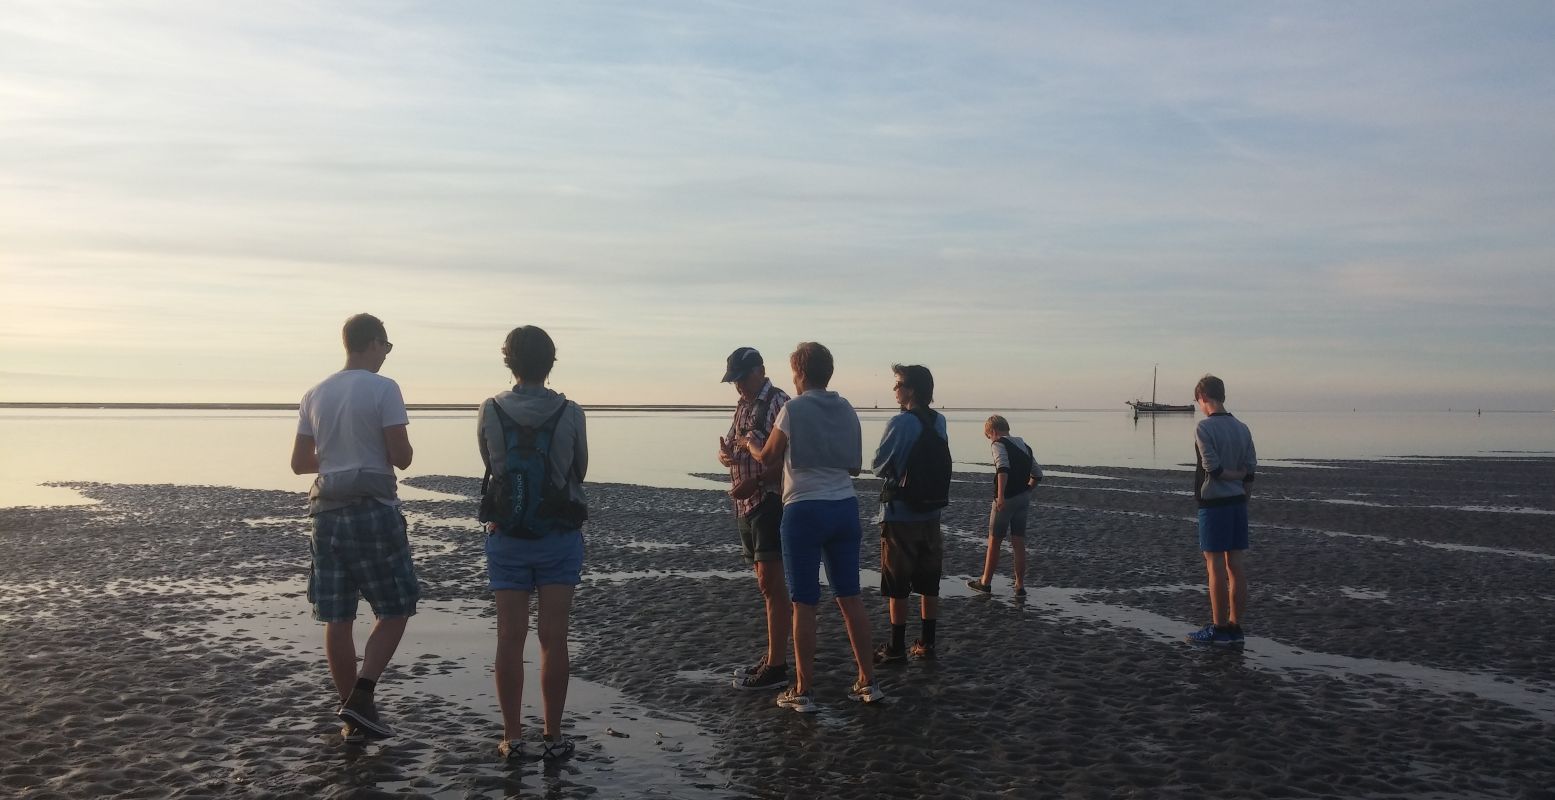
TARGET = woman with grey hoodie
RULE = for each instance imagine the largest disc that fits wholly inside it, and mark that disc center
(817, 439)
(533, 443)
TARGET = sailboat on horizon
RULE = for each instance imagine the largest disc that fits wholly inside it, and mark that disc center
(1151, 406)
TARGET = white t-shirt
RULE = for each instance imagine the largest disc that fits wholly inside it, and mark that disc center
(346, 415)
(809, 483)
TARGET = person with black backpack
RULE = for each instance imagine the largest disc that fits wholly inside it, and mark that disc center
(535, 448)
(1016, 471)
(913, 460)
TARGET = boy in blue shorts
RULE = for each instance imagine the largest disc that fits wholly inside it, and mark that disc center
(1224, 466)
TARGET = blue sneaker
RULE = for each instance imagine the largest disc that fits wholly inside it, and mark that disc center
(1209, 634)
(1236, 635)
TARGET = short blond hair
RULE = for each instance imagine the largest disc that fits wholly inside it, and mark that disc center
(814, 362)
(997, 423)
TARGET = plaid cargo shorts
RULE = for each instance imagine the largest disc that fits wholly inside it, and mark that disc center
(362, 551)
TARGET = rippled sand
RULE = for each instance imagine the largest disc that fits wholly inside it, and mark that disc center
(157, 644)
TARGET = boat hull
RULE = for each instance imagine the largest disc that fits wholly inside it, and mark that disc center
(1145, 407)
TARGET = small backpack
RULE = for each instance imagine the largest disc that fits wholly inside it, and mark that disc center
(521, 499)
(924, 484)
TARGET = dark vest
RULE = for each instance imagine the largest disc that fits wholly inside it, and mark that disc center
(1019, 473)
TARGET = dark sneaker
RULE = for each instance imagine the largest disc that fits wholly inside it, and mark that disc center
(510, 748)
(885, 655)
(794, 701)
(1236, 635)
(921, 651)
(978, 586)
(770, 676)
(865, 692)
(1020, 591)
(350, 734)
(1209, 634)
(746, 672)
(557, 749)
(360, 712)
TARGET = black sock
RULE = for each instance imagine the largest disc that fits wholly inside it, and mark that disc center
(928, 631)
(898, 638)
(365, 685)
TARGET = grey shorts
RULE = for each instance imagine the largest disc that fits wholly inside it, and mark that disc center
(1012, 520)
(761, 537)
(361, 551)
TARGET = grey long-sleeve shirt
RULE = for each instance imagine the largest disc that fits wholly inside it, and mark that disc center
(1222, 442)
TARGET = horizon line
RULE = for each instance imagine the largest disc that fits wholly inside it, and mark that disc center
(665, 407)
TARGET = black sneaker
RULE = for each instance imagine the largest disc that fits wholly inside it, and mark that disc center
(885, 655)
(746, 672)
(979, 587)
(770, 676)
(360, 712)
(557, 749)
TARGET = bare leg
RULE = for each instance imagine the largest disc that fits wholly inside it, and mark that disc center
(381, 644)
(929, 607)
(512, 629)
(1236, 574)
(774, 589)
(1217, 588)
(555, 661)
(857, 621)
(804, 645)
(991, 561)
(898, 610)
(340, 652)
(1018, 552)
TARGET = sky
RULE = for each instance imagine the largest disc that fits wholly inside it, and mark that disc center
(1330, 205)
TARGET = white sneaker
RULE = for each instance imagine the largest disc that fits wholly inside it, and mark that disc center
(793, 700)
(866, 693)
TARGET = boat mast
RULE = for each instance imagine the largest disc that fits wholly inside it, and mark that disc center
(1152, 383)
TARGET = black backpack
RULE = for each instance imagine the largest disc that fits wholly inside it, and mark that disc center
(924, 484)
(521, 499)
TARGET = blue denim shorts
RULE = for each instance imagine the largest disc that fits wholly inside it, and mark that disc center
(1223, 528)
(361, 551)
(817, 532)
(524, 564)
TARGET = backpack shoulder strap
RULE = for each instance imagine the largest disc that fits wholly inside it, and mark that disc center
(555, 419)
(502, 422)
(763, 407)
(502, 416)
(925, 417)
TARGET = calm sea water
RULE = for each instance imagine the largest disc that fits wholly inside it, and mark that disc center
(252, 449)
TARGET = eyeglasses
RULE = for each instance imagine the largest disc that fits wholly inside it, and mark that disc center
(388, 346)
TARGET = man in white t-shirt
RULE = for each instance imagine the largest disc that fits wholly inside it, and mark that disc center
(351, 432)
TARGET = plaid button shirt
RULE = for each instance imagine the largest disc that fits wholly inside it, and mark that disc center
(745, 424)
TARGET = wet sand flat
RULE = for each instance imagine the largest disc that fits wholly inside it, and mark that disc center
(158, 644)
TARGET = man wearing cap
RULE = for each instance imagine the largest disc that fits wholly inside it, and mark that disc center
(758, 509)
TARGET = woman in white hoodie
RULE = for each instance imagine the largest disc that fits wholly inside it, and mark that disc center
(816, 437)
(533, 443)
